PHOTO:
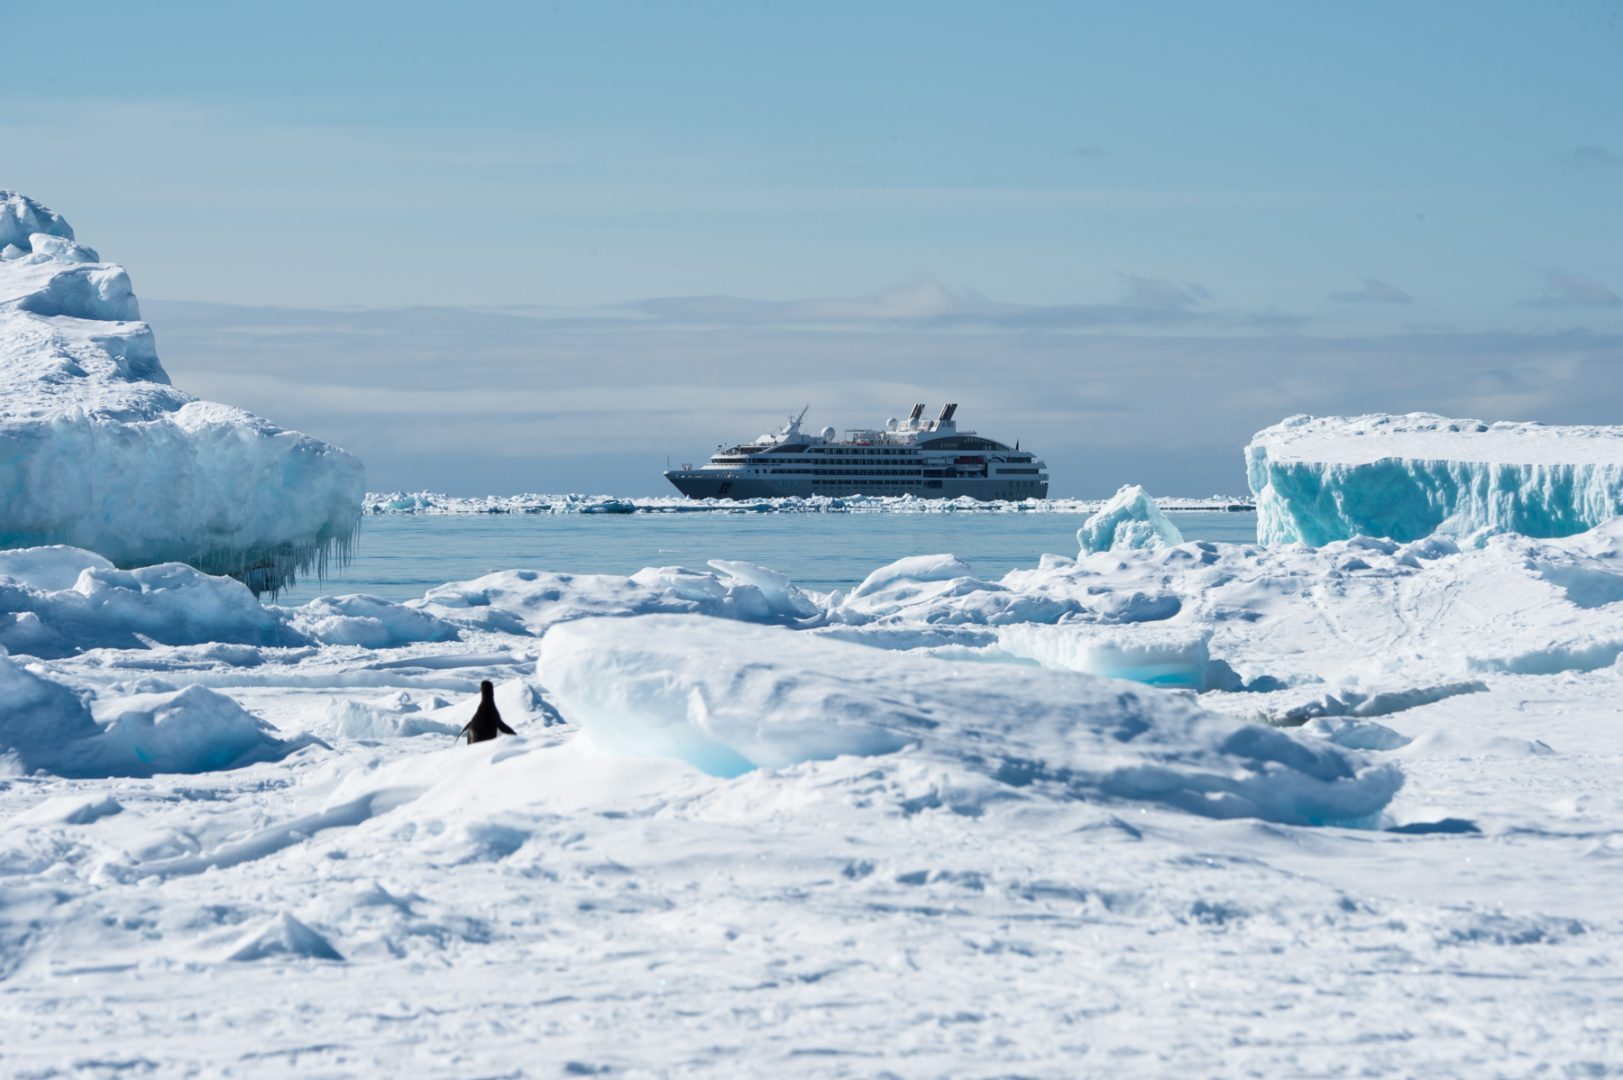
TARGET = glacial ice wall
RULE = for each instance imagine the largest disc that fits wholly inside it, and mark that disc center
(1320, 479)
(99, 451)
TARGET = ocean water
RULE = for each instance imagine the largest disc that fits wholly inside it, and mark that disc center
(401, 556)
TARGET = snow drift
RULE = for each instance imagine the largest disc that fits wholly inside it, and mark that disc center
(48, 726)
(1318, 479)
(727, 698)
(98, 450)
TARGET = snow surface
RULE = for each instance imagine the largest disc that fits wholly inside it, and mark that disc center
(98, 450)
(1318, 479)
(1131, 519)
(921, 828)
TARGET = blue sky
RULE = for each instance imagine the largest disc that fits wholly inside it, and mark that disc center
(1129, 182)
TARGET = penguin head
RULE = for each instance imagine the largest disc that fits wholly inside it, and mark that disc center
(487, 690)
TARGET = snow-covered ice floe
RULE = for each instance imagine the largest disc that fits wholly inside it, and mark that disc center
(56, 601)
(1318, 479)
(98, 450)
(790, 831)
(728, 698)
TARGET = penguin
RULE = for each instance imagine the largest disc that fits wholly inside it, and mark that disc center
(487, 719)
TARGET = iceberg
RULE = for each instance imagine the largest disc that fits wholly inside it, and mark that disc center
(1130, 520)
(99, 451)
(1326, 478)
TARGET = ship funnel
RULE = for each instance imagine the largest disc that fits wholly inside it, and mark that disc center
(946, 414)
(918, 411)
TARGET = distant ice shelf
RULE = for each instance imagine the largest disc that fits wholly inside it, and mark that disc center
(1327, 478)
(429, 502)
(98, 450)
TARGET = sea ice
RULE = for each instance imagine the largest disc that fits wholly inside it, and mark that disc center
(59, 601)
(939, 589)
(927, 830)
(193, 730)
(532, 601)
(37, 715)
(282, 936)
(44, 612)
(1318, 479)
(368, 621)
(361, 720)
(98, 450)
(728, 698)
(1396, 619)
(1172, 657)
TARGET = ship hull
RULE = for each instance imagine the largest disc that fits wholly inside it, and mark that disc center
(716, 484)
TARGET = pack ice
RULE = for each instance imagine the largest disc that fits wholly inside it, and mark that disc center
(1153, 807)
(98, 450)
(1133, 812)
(1318, 479)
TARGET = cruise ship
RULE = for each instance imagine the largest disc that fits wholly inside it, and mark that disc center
(932, 459)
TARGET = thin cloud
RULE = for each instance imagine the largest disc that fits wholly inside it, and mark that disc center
(540, 403)
(926, 303)
(1163, 295)
(1562, 289)
(1375, 291)
(919, 300)
(1593, 157)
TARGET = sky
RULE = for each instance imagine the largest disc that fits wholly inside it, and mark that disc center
(498, 247)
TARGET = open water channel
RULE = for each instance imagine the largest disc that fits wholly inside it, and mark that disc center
(401, 556)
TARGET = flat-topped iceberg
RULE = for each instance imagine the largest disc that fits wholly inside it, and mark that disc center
(1319, 479)
(99, 451)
